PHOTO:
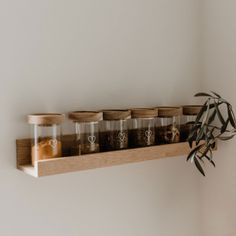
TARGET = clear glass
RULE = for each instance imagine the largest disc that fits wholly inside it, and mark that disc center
(142, 132)
(46, 142)
(168, 130)
(87, 138)
(186, 126)
(113, 135)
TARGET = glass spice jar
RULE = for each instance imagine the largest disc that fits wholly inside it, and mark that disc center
(142, 127)
(114, 130)
(46, 136)
(86, 131)
(168, 125)
(190, 113)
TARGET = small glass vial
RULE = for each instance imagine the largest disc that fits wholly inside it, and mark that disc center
(168, 125)
(142, 127)
(114, 130)
(189, 115)
(86, 131)
(46, 136)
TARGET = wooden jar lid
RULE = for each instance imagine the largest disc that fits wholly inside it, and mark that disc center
(46, 118)
(116, 114)
(85, 116)
(169, 111)
(144, 112)
(191, 110)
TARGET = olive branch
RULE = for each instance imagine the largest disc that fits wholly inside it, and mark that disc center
(215, 121)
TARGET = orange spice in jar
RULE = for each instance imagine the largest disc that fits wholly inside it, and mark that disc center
(46, 136)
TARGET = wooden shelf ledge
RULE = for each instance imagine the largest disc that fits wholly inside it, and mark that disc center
(91, 161)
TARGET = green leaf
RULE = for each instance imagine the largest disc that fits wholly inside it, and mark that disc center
(225, 138)
(193, 132)
(217, 95)
(202, 95)
(212, 117)
(203, 109)
(200, 135)
(209, 159)
(231, 116)
(224, 127)
(206, 115)
(194, 151)
(199, 167)
(219, 114)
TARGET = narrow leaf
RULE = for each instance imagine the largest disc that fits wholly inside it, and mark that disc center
(203, 109)
(202, 95)
(217, 95)
(212, 117)
(225, 138)
(219, 114)
(206, 115)
(231, 118)
(209, 159)
(224, 127)
(199, 167)
(193, 151)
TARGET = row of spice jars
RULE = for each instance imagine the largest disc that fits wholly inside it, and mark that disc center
(111, 130)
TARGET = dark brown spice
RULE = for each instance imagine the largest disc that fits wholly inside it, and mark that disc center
(142, 137)
(113, 140)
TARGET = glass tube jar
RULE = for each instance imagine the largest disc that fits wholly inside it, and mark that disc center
(46, 136)
(114, 130)
(86, 131)
(168, 125)
(142, 127)
(190, 113)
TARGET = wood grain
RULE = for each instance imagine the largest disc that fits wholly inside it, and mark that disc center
(92, 161)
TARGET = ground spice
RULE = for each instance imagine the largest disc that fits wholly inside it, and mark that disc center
(46, 149)
(167, 134)
(113, 140)
(142, 137)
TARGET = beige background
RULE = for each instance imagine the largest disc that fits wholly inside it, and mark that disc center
(88, 54)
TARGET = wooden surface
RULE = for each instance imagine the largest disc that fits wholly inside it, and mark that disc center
(92, 161)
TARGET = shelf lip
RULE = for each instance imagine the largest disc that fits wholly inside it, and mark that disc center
(28, 169)
(104, 159)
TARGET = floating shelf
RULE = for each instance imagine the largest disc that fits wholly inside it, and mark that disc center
(68, 163)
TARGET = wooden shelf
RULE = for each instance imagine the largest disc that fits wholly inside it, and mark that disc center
(91, 161)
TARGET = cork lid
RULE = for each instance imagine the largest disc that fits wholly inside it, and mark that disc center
(169, 111)
(46, 118)
(191, 109)
(85, 116)
(144, 112)
(116, 114)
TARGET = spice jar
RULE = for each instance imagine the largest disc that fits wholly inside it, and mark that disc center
(189, 115)
(114, 130)
(168, 125)
(142, 127)
(86, 131)
(46, 136)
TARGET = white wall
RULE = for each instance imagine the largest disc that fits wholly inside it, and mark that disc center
(65, 55)
(219, 74)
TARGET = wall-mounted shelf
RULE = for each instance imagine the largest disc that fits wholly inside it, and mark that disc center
(91, 161)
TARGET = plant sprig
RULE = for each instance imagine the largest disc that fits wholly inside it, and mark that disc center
(212, 124)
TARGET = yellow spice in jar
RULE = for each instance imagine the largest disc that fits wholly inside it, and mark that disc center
(46, 149)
